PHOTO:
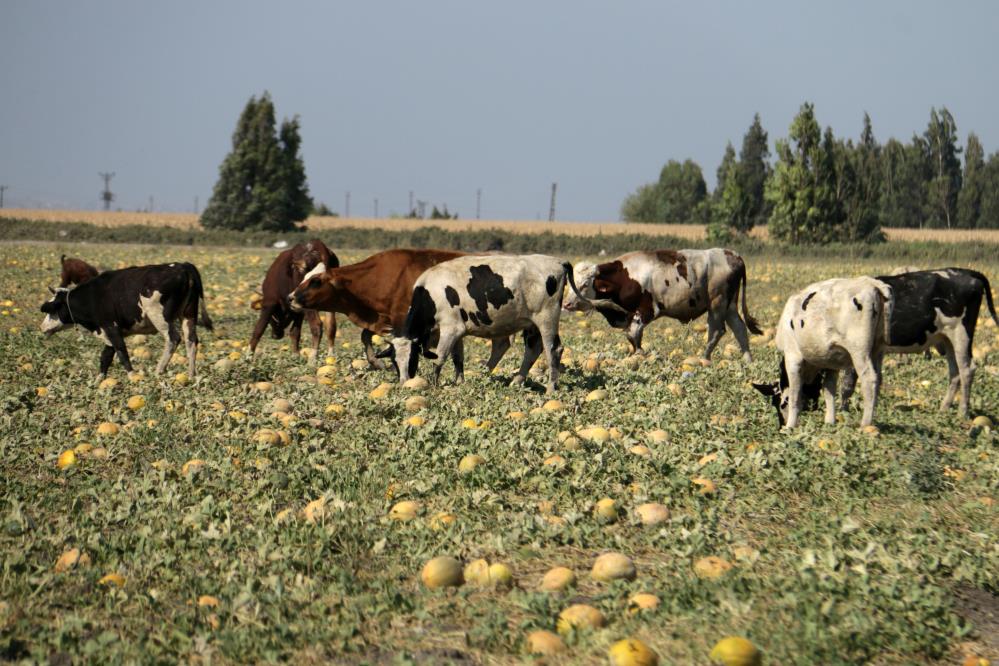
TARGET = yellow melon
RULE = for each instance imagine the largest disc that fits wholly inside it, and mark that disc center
(613, 566)
(580, 617)
(442, 571)
(652, 513)
(632, 652)
(711, 567)
(642, 601)
(606, 510)
(476, 572)
(470, 462)
(735, 651)
(557, 579)
(66, 459)
(405, 510)
(544, 643)
(67, 560)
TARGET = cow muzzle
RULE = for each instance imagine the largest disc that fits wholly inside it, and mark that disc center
(295, 301)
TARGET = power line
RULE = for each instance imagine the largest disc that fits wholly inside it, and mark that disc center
(107, 196)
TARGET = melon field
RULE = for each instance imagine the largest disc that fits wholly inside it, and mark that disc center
(282, 510)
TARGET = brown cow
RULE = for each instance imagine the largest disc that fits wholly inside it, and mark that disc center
(75, 271)
(282, 277)
(375, 293)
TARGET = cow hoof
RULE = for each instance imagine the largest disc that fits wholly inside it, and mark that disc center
(376, 365)
(517, 380)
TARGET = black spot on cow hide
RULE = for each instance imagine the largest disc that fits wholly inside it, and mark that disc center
(486, 288)
(857, 304)
(464, 315)
(452, 296)
(551, 284)
(421, 318)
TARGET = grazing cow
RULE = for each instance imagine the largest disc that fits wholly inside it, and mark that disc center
(665, 283)
(140, 299)
(937, 309)
(488, 297)
(75, 271)
(827, 327)
(374, 293)
(282, 277)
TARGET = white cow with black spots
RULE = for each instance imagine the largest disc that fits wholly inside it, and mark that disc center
(827, 327)
(489, 297)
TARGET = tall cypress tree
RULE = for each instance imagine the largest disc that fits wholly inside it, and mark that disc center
(988, 212)
(793, 189)
(261, 182)
(754, 170)
(945, 181)
(969, 201)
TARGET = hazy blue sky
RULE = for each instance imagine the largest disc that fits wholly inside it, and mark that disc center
(443, 98)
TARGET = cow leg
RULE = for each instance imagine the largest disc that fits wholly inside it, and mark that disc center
(829, 394)
(965, 369)
(532, 349)
(497, 350)
(171, 339)
(316, 328)
(954, 378)
(107, 356)
(118, 344)
(458, 356)
(447, 340)
(739, 331)
(716, 329)
(369, 350)
(870, 381)
(847, 388)
(296, 330)
(261, 326)
(553, 352)
(634, 332)
(330, 332)
(191, 342)
(794, 392)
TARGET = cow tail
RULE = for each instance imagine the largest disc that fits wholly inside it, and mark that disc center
(205, 320)
(751, 323)
(988, 295)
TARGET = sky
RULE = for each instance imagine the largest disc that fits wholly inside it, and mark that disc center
(444, 98)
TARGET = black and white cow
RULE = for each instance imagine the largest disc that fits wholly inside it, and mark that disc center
(140, 299)
(937, 309)
(489, 297)
(827, 327)
(637, 288)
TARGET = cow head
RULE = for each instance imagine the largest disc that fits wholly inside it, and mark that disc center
(595, 292)
(584, 275)
(306, 257)
(58, 316)
(779, 395)
(316, 287)
(404, 354)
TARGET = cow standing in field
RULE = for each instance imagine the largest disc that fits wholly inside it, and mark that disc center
(75, 271)
(282, 277)
(637, 288)
(374, 294)
(936, 309)
(827, 327)
(140, 299)
(488, 297)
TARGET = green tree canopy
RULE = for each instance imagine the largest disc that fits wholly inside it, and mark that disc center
(262, 183)
(754, 171)
(969, 201)
(945, 168)
(678, 197)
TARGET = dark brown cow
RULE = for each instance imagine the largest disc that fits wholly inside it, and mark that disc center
(282, 277)
(75, 271)
(639, 287)
(374, 294)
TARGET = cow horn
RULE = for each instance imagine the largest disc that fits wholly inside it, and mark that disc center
(52, 290)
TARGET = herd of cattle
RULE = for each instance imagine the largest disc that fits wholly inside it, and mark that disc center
(427, 301)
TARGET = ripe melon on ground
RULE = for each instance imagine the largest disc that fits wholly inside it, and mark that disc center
(443, 571)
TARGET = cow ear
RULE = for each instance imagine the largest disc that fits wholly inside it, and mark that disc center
(765, 389)
(602, 286)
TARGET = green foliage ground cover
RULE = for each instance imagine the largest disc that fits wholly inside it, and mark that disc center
(846, 548)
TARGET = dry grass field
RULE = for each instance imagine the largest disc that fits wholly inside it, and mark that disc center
(685, 231)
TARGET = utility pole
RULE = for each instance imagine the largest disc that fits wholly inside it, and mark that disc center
(421, 209)
(150, 203)
(346, 206)
(195, 204)
(478, 204)
(551, 211)
(3, 188)
(107, 196)
(410, 211)
(376, 207)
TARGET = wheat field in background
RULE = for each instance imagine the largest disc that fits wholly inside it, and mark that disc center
(685, 231)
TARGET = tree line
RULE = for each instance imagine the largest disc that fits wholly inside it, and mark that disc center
(823, 189)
